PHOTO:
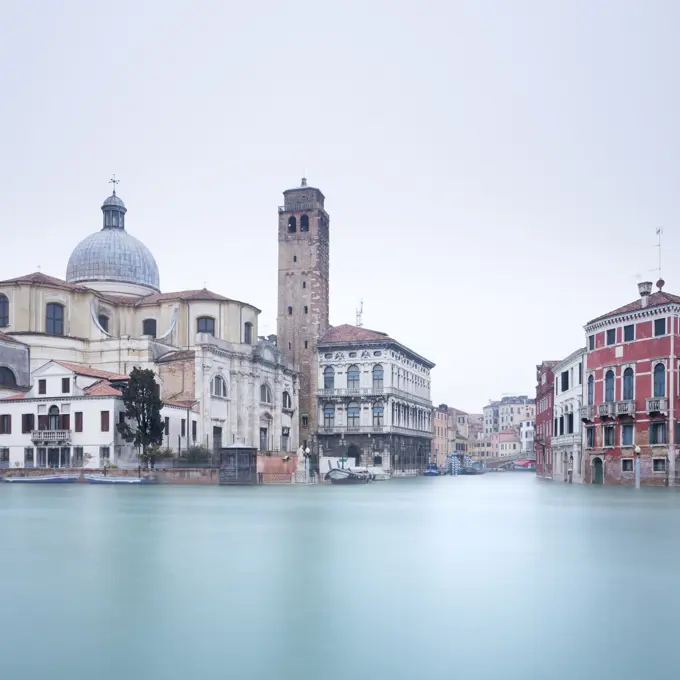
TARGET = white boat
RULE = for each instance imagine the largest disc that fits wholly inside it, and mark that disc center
(98, 478)
(43, 479)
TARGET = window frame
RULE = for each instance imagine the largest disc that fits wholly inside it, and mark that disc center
(206, 321)
(625, 328)
(624, 383)
(145, 323)
(105, 324)
(655, 427)
(605, 430)
(591, 342)
(4, 311)
(606, 386)
(659, 364)
(265, 393)
(54, 322)
(329, 372)
(628, 460)
(358, 377)
(654, 461)
(632, 437)
(609, 331)
(665, 324)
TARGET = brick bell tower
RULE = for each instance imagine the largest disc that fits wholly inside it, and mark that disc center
(303, 292)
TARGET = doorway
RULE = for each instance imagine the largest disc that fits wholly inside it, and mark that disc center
(354, 452)
(598, 471)
(264, 439)
(53, 458)
(217, 438)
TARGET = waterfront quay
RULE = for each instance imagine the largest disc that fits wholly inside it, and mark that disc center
(414, 578)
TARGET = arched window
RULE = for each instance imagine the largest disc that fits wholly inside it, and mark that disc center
(54, 319)
(103, 322)
(265, 394)
(290, 311)
(378, 414)
(205, 324)
(7, 378)
(53, 418)
(659, 380)
(248, 333)
(609, 386)
(287, 401)
(304, 223)
(628, 383)
(328, 415)
(328, 378)
(353, 414)
(4, 311)
(378, 374)
(306, 309)
(219, 386)
(149, 327)
(292, 224)
(591, 390)
(353, 376)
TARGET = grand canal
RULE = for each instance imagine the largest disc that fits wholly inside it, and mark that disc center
(499, 576)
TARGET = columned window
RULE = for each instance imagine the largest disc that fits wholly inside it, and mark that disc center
(353, 414)
(328, 378)
(628, 383)
(54, 319)
(378, 375)
(609, 386)
(328, 415)
(378, 414)
(353, 377)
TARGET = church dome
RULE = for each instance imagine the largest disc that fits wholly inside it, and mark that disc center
(113, 256)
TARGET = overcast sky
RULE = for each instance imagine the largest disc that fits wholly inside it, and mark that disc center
(494, 171)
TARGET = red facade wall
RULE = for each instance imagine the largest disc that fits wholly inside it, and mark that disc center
(544, 418)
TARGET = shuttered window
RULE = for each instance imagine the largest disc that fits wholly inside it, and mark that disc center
(79, 421)
(105, 421)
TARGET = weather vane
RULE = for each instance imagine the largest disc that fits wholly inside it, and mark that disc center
(114, 181)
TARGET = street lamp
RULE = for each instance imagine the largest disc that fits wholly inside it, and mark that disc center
(307, 465)
(637, 466)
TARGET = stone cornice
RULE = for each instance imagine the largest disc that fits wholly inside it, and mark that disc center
(637, 315)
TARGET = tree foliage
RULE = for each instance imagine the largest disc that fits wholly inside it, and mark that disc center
(143, 424)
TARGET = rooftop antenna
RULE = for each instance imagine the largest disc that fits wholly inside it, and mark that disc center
(360, 314)
(659, 233)
(114, 181)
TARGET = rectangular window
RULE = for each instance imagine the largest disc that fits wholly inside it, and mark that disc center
(611, 336)
(564, 377)
(27, 422)
(561, 425)
(590, 437)
(104, 421)
(591, 342)
(167, 427)
(629, 333)
(659, 465)
(121, 417)
(65, 385)
(657, 433)
(570, 423)
(609, 435)
(4, 458)
(5, 424)
(580, 373)
(626, 465)
(42, 386)
(79, 421)
(183, 428)
(104, 451)
(193, 430)
(659, 327)
(305, 421)
(627, 434)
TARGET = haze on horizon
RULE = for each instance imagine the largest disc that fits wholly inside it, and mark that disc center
(494, 172)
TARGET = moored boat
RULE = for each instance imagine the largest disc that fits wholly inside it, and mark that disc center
(44, 479)
(346, 476)
(112, 479)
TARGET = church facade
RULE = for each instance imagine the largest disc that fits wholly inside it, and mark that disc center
(109, 314)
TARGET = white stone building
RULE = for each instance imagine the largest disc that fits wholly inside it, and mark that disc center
(566, 440)
(527, 430)
(373, 399)
(109, 314)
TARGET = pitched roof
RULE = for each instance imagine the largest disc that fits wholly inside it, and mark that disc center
(180, 355)
(203, 294)
(81, 369)
(654, 300)
(102, 388)
(184, 403)
(45, 280)
(348, 333)
(10, 338)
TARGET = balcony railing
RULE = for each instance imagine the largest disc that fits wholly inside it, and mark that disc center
(374, 429)
(297, 207)
(606, 410)
(51, 436)
(657, 405)
(372, 391)
(625, 408)
(587, 412)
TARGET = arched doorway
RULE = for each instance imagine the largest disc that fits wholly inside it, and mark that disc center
(377, 461)
(354, 452)
(598, 471)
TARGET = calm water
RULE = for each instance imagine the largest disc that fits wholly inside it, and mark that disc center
(498, 576)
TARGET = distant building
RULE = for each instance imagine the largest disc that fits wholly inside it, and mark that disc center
(508, 413)
(566, 435)
(440, 434)
(545, 396)
(527, 429)
(509, 443)
(373, 399)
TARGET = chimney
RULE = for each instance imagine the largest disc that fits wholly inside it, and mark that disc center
(645, 289)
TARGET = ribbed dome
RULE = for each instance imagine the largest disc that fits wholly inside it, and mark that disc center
(112, 254)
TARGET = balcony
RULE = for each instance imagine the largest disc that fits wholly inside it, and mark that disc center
(657, 405)
(625, 408)
(606, 410)
(374, 429)
(372, 391)
(299, 207)
(587, 413)
(51, 436)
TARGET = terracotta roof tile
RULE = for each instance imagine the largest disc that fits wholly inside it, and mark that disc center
(185, 403)
(81, 369)
(654, 300)
(203, 294)
(103, 388)
(349, 333)
(44, 279)
(181, 355)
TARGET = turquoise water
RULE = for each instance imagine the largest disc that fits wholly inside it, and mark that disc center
(497, 576)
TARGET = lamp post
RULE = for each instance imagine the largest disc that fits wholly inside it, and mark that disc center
(637, 467)
(307, 465)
